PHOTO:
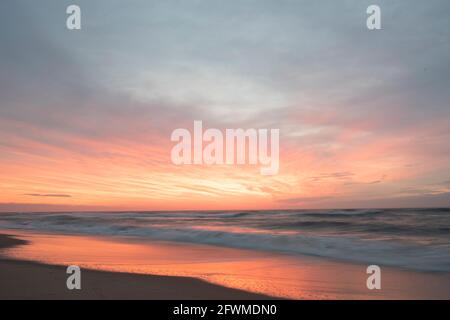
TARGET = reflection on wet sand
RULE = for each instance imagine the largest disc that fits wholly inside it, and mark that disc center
(271, 274)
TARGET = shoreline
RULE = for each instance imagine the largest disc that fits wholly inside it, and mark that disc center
(21, 279)
(33, 266)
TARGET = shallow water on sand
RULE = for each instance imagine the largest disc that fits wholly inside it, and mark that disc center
(272, 274)
(416, 239)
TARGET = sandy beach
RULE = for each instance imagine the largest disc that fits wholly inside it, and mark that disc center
(32, 267)
(30, 280)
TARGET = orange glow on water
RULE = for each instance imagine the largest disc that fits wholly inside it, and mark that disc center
(267, 273)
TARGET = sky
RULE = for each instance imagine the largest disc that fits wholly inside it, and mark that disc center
(86, 116)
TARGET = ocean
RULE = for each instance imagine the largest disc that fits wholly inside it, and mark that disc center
(417, 239)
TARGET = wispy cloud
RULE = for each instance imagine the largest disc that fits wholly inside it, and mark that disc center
(51, 195)
(333, 175)
(362, 115)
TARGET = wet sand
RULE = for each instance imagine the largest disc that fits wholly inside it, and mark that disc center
(31, 280)
(128, 268)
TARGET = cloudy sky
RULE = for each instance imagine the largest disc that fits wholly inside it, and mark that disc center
(86, 116)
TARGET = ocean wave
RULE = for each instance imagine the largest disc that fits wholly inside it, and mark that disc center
(396, 238)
